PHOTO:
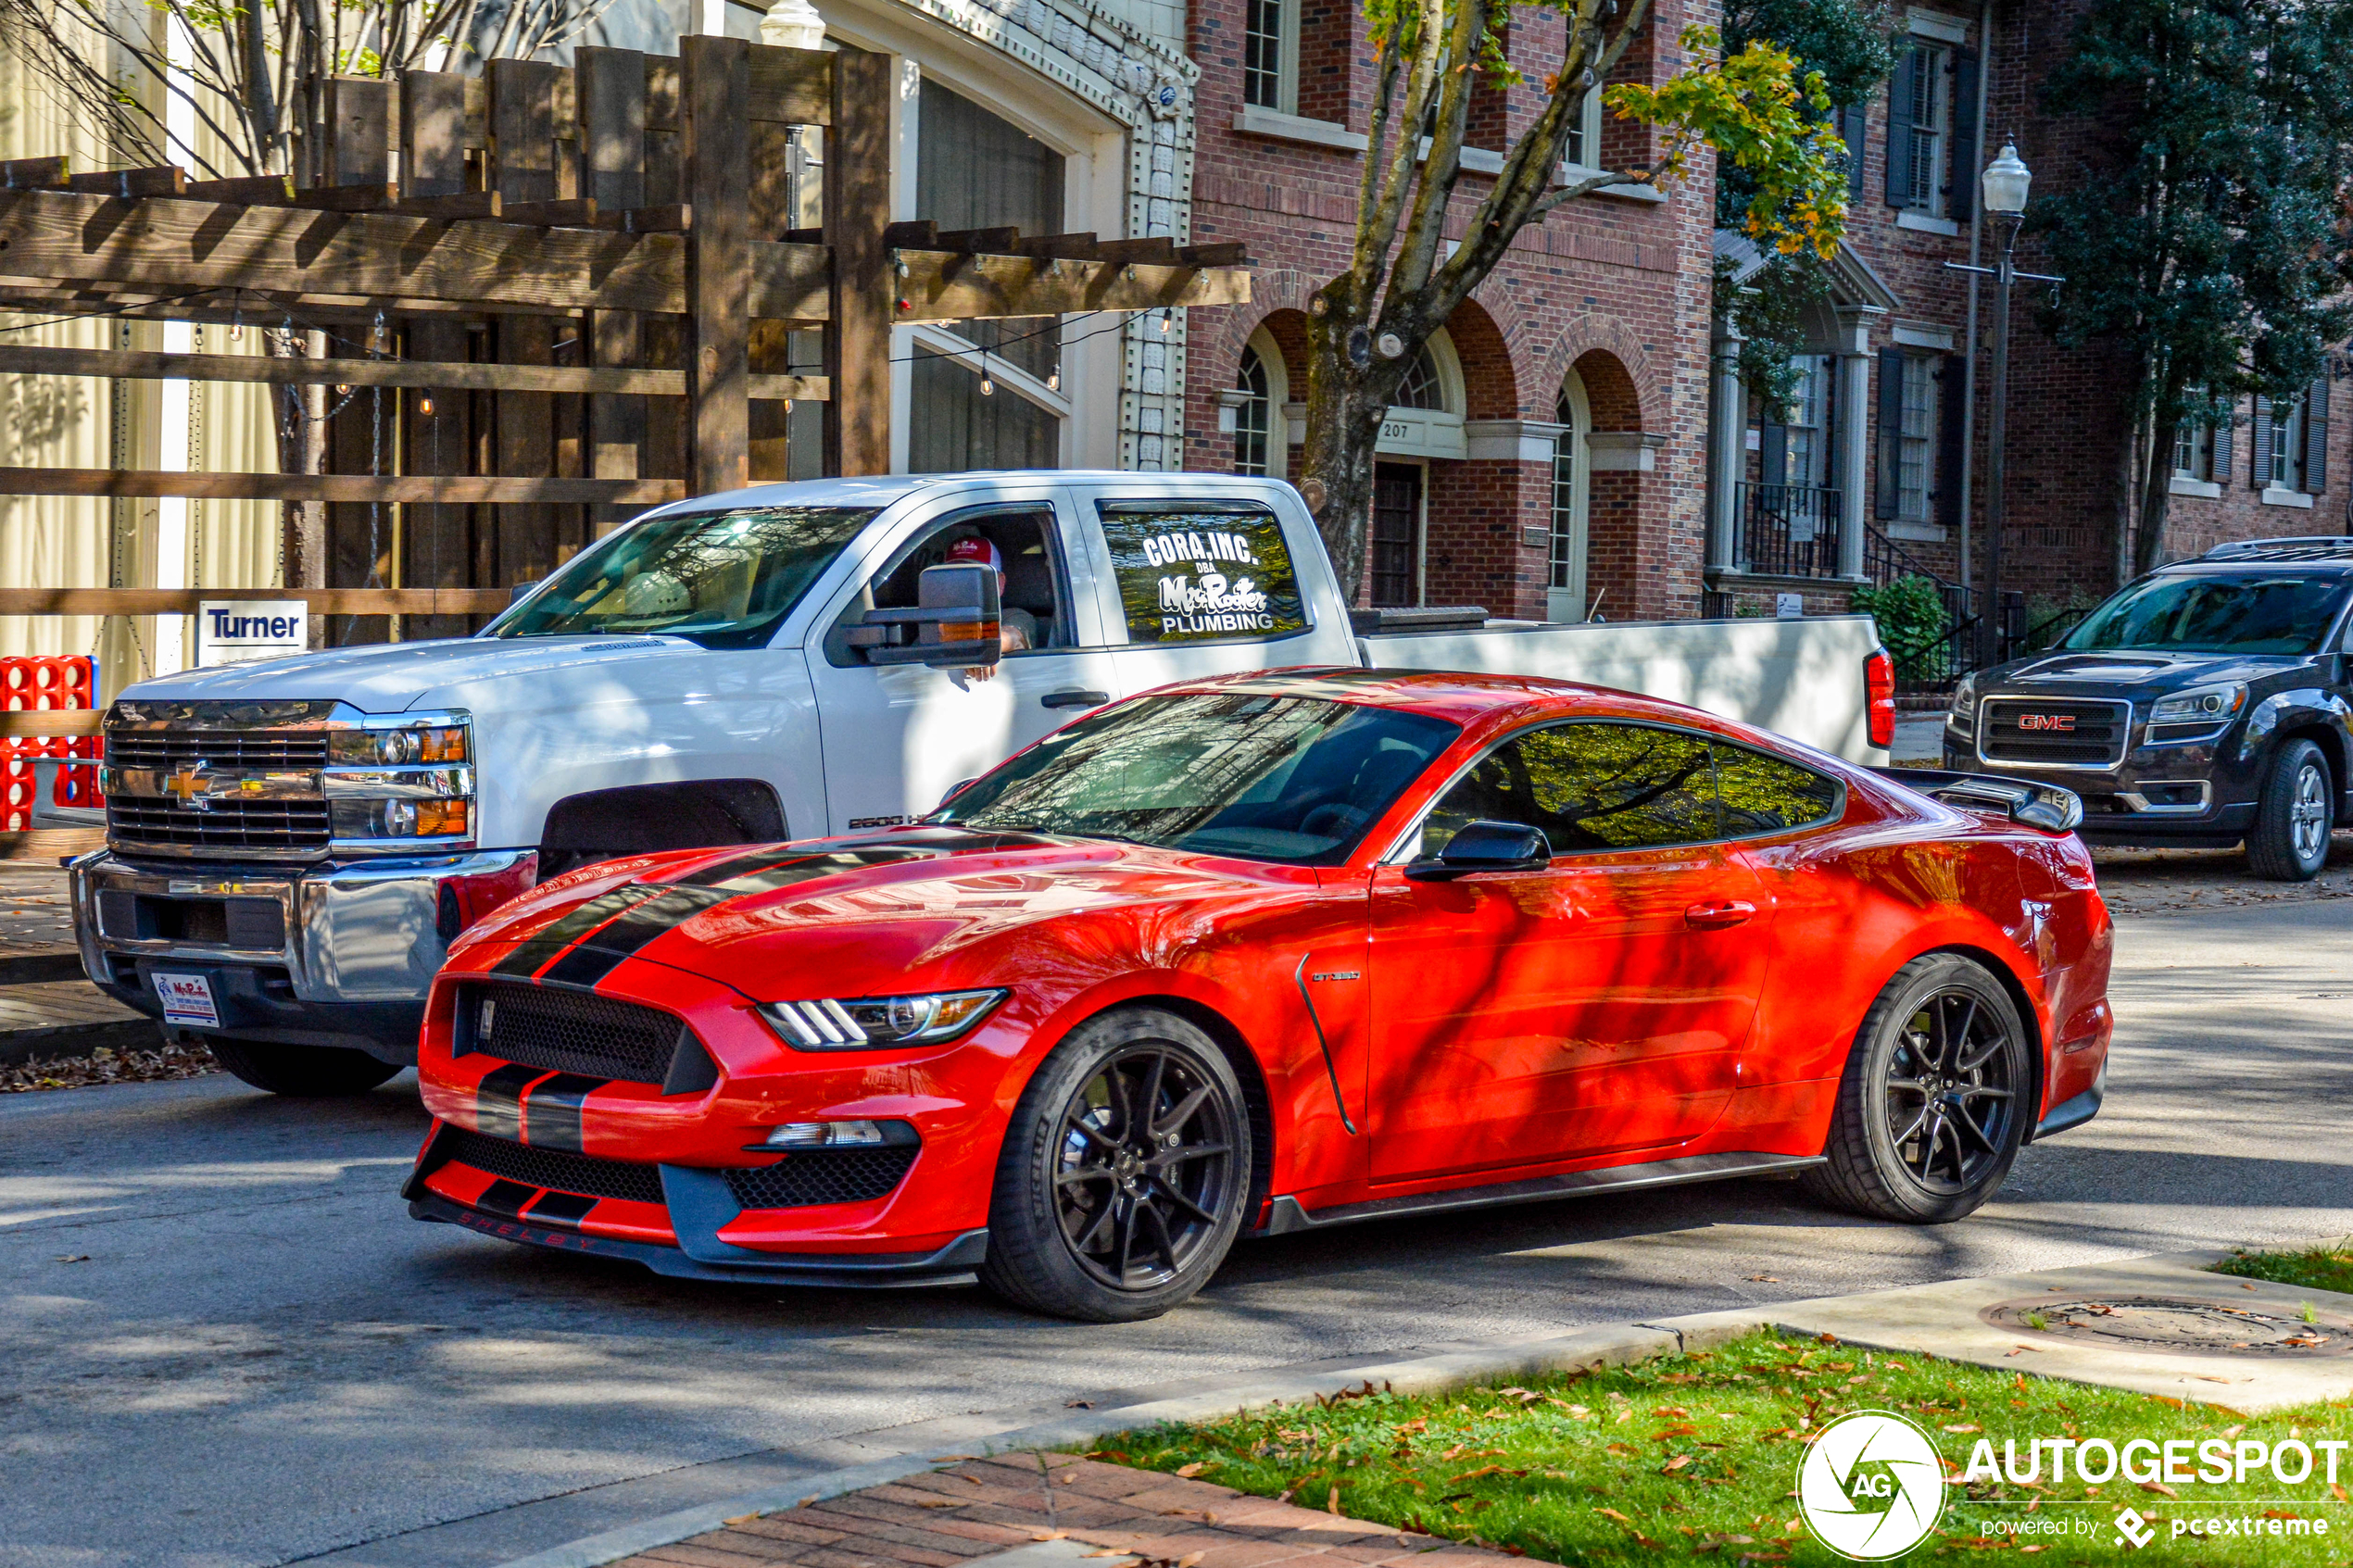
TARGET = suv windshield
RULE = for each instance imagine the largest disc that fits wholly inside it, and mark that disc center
(1297, 780)
(2231, 612)
(721, 578)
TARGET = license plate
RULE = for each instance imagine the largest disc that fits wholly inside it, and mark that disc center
(187, 999)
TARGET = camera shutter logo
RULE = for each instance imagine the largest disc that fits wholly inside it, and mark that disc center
(1871, 1486)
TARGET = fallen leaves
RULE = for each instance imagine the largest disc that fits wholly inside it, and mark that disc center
(2161, 1489)
(1189, 1471)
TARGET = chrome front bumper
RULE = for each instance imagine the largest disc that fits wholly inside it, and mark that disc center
(361, 942)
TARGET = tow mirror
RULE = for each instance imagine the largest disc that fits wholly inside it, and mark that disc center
(1486, 847)
(954, 625)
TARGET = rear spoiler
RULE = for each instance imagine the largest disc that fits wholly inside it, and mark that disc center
(2037, 805)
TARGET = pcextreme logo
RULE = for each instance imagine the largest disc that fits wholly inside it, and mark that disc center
(1871, 1486)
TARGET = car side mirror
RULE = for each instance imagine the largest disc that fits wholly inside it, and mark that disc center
(955, 625)
(1486, 847)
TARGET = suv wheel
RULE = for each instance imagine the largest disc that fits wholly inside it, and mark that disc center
(1124, 1174)
(2291, 838)
(305, 1071)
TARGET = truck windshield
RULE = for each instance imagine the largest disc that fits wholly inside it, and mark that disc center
(721, 578)
(1295, 780)
(2231, 613)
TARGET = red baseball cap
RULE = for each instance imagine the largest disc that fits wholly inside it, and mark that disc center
(977, 550)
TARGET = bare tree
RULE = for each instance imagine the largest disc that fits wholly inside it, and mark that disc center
(1368, 324)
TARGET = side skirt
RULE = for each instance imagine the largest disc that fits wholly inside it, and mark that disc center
(1289, 1216)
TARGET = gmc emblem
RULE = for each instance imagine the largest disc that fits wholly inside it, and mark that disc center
(2061, 723)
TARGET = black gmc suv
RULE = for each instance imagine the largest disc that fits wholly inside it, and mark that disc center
(2206, 704)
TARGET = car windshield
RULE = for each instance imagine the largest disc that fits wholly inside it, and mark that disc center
(1295, 780)
(2235, 612)
(721, 578)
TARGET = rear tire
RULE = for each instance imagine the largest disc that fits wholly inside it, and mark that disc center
(303, 1072)
(1935, 1100)
(2291, 838)
(1125, 1172)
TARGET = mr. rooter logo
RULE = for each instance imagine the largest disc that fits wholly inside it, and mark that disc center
(1871, 1486)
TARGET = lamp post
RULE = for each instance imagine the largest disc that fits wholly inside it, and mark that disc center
(792, 24)
(2004, 186)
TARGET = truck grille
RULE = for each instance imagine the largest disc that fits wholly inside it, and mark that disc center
(2054, 731)
(286, 750)
(823, 1175)
(554, 1168)
(136, 822)
(568, 1032)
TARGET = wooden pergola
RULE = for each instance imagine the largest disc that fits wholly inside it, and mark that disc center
(577, 297)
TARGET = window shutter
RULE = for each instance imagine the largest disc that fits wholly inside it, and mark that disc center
(1772, 452)
(1949, 407)
(2316, 437)
(1899, 134)
(1854, 124)
(1889, 496)
(1960, 197)
(2223, 441)
(2260, 473)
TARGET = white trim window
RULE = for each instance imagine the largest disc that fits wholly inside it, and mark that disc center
(1565, 583)
(1921, 116)
(1270, 55)
(1809, 436)
(1583, 149)
(2287, 448)
(2193, 452)
(1253, 418)
(1915, 440)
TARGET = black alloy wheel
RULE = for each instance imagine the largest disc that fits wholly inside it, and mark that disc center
(1937, 1097)
(1125, 1174)
(2290, 842)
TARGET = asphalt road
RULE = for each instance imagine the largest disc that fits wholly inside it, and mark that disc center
(263, 1359)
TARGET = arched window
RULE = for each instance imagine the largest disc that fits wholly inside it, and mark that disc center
(1423, 388)
(1426, 412)
(1253, 418)
(1565, 597)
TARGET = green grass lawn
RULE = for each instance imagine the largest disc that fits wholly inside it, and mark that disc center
(1694, 1459)
(2325, 1267)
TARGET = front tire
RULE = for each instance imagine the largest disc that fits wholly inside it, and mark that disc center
(1124, 1171)
(303, 1071)
(1935, 1100)
(2291, 838)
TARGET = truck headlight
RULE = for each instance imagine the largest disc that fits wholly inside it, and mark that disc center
(1963, 713)
(851, 1026)
(404, 777)
(2202, 706)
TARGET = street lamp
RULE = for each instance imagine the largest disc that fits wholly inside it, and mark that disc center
(792, 24)
(2005, 184)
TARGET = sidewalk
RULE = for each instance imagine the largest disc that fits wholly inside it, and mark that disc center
(981, 1509)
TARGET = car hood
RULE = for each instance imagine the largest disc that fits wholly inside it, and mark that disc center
(2123, 672)
(874, 914)
(394, 677)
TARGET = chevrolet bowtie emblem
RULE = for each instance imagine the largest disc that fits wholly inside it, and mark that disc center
(192, 787)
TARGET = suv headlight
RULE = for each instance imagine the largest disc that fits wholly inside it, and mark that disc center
(855, 1025)
(2201, 707)
(405, 778)
(1963, 713)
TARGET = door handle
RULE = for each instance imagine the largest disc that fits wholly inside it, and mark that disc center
(1075, 700)
(1715, 917)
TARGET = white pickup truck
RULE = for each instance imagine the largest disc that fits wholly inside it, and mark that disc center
(292, 845)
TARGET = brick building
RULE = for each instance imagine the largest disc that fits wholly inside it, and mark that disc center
(1880, 465)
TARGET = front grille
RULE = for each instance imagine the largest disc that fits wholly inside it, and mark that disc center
(823, 1176)
(139, 821)
(568, 1032)
(2062, 732)
(554, 1168)
(279, 750)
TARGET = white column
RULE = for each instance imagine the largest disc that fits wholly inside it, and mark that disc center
(1853, 460)
(1728, 449)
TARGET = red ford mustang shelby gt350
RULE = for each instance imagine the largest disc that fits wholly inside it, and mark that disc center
(1270, 953)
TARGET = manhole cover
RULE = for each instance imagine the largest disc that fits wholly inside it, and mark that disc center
(2174, 1325)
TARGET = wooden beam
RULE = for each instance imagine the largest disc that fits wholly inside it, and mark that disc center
(570, 212)
(174, 247)
(358, 131)
(522, 129)
(374, 196)
(53, 720)
(183, 601)
(428, 489)
(163, 180)
(791, 87)
(433, 133)
(34, 173)
(130, 365)
(860, 299)
(942, 287)
(244, 190)
(715, 87)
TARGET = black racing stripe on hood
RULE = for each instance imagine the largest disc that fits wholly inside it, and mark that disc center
(551, 1110)
(770, 870)
(498, 1099)
(599, 952)
(546, 943)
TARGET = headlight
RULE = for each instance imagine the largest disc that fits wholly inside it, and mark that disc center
(403, 778)
(851, 1026)
(2202, 706)
(1963, 715)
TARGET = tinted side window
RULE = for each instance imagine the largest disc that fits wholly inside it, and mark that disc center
(1588, 786)
(1762, 794)
(1202, 576)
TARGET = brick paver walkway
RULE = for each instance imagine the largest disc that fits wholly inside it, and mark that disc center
(978, 1507)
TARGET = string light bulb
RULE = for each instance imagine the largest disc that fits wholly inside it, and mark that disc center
(987, 387)
(1054, 379)
(1164, 322)
(425, 405)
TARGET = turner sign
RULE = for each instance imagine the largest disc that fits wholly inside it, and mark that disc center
(239, 631)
